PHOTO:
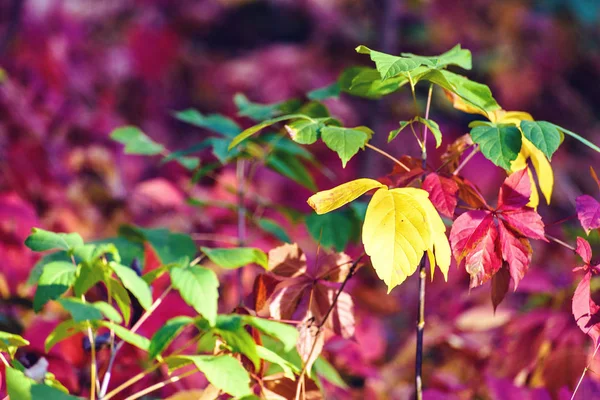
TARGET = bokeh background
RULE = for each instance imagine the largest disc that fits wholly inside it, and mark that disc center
(76, 69)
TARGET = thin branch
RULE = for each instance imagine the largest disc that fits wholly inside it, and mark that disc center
(130, 381)
(4, 361)
(585, 370)
(429, 95)
(162, 384)
(466, 160)
(558, 241)
(420, 330)
(394, 159)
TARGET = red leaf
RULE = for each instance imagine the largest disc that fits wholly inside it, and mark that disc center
(467, 230)
(341, 319)
(468, 192)
(442, 193)
(484, 260)
(516, 252)
(284, 301)
(500, 282)
(515, 191)
(584, 250)
(585, 310)
(333, 267)
(526, 222)
(400, 177)
(588, 212)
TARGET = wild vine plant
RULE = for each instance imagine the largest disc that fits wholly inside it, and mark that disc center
(270, 344)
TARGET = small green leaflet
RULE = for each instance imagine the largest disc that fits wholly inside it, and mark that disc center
(544, 135)
(165, 335)
(108, 311)
(434, 128)
(136, 141)
(233, 333)
(236, 257)
(260, 112)
(304, 131)
(578, 137)
(62, 331)
(57, 277)
(135, 284)
(455, 56)
(42, 240)
(272, 227)
(10, 342)
(288, 368)
(20, 387)
(88, 275)
(198, 287)
(327, 92)
(393, 134)
(121, 297)
(256, 128)
(80, 311)
(288, 335)
(333, 229)
(346, 141)
(224, 372)
(366, 82)
(214, 122)
(132, 338)
(500, 144)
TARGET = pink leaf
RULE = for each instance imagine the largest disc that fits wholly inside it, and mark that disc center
(467, 231)
(588, 212)
(515, 191)
(484, 260)
(526, 222)
(442, 193)
(516, 252)
(584, 250)
(585, 310)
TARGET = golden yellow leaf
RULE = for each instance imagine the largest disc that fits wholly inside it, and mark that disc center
(438, 249)
(329, 200)
(509, 117)
(396, 233)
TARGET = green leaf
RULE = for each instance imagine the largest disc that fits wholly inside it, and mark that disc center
(326, 92)
(128, 249)
(326, 370)
(224, 372)
(20, 387)
(260, 112)
(132, 338)
(543, 135)
(198, 287)
(80, 311)
(292, 168)
(121, 297)
(136, 285)
(455, 56)
(38, 268)
(499, 143)
(236, 257)
(189, 163)
(221, 150)
(88, 275)
(288, 335)
(288, 368)
(304, 131)
(165, 335)
(434, 128)
(108, 311)
(233, 333)
(256, 128)
(57, 278)
(169, 246)
(393, 134)
(10, 342)
(473, 93)
(151, 276)
(576, 136)
(333, 229)
(272, 227)
(62, 331)
(41, 240)
(214, 122)
(390, 66)
(366, 82)
(136, 141)
(346, 141)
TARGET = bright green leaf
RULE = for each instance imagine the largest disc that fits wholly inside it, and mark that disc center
(198, 287)
(366, 82)
(108, 311)
(20, 387)
(88, 275)
(346, 141)
(389, 65)
(236, 257)
(79, 310)
(57, 277)
(272, 227)
(326, 92)
(136, 141)
(543, 135)
(233, 333)
(214, 122)
(166, 333)
(256, 128)
(304, 131)
(42, 240)
(10, 342)
(132, 338)
(499, 143)
(135, 284)
(121, 297)
(288, 335)
(324, 369)
(434, 128)
(394, 133)
(62, 331)
(288, 368)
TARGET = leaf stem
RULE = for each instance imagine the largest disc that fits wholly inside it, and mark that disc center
(429, 95)
(162, 384)
(466, 160)
(394, 159)
(585, 370)
(420, 330)
(4, 361)
(241, 219)
(558, 241)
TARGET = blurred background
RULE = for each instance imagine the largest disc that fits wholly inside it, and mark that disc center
(73, 70)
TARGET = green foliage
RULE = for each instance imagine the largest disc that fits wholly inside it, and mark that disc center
(335, 229)
(286, 334)
(10, 342)
(198, 287)
(57, 277)
(543, 135)
(366, 82)
(136, 141)
(63, 331)
(79, 310)
(273, 228)
(41, 240)
(261, 112)
(327, 92)
(214, 122)
(232, 331)
(136, 285)
(165, 335)
(20, 387)
(128, 336)
(346, 141)
(499, 143)
(236, 257)
(393, 134)
(257, 128)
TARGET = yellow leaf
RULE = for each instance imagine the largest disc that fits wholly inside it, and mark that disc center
(396, 233)
(460, 104)
(329, 200)
(509, 117)
(542, 167)
(438, 249)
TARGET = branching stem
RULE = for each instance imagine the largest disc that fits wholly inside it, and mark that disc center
(394, 159)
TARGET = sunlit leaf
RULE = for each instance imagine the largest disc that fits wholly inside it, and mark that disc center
(499, 143)
(80, 311)
(41, 240)
(57, 278)
(236, 257)
(166, 333)
(135, 284)
(199, 288)
(329, 200)
(136, 141)
(543, 135)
